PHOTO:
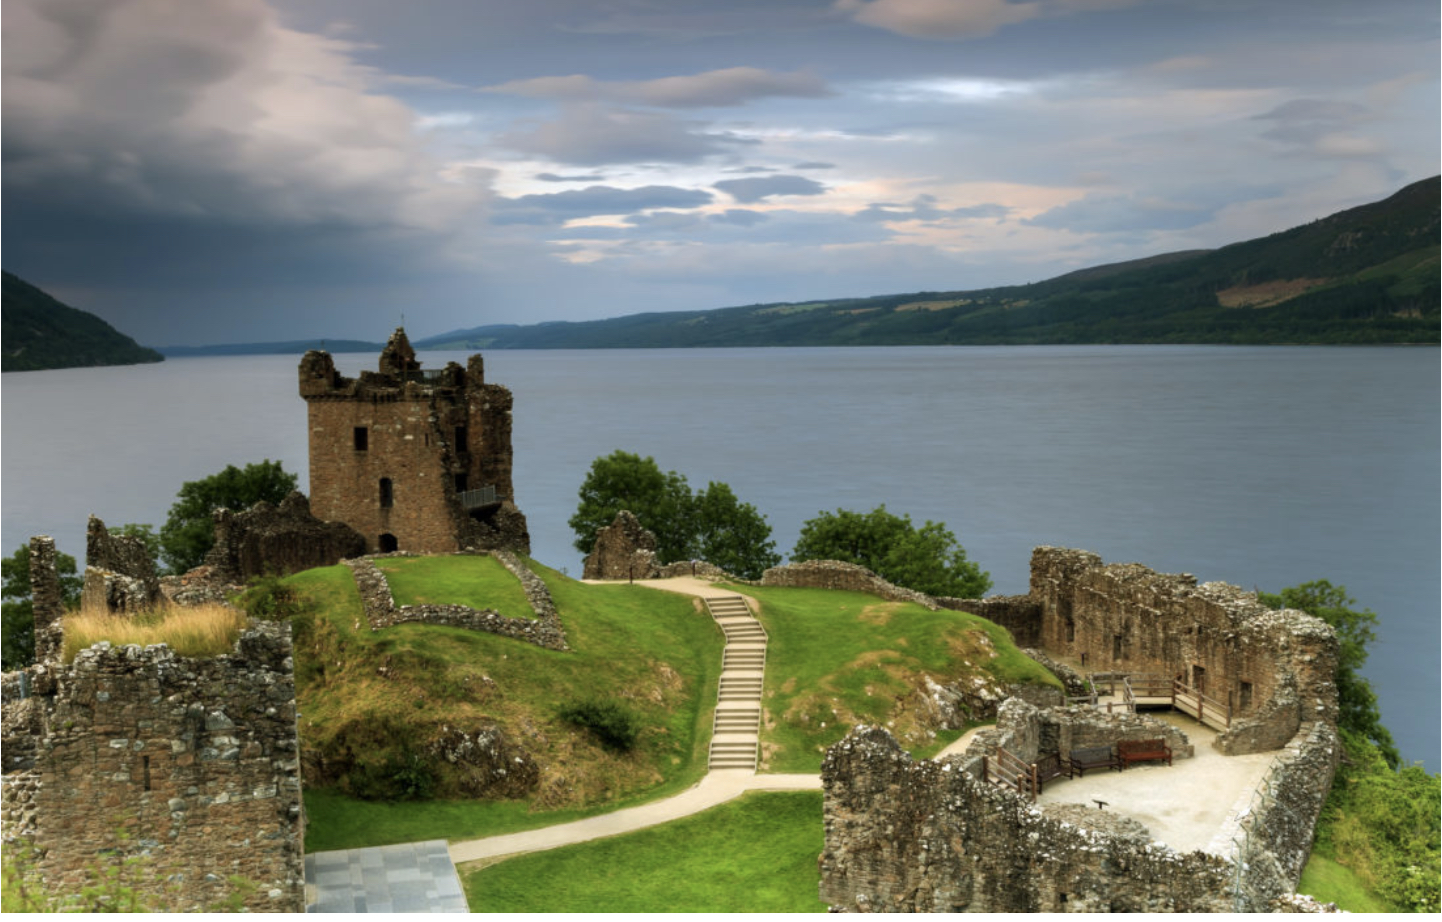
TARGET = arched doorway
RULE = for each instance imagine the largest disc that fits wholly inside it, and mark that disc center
(388, 543)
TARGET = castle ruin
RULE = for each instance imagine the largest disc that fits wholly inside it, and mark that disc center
(414, 460)
(940, 836)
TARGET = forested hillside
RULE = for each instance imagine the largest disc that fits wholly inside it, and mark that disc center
(1365, 275)
(40, 332)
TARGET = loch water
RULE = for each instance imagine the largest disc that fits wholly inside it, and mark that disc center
(1260, 466)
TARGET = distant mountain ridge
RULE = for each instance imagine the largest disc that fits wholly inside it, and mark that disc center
(1365, 275)
(40, 332)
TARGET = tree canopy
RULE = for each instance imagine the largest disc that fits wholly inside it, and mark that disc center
(712, 525)
(189, 532)
(927, 559)
(17, 612)
(1357, 703)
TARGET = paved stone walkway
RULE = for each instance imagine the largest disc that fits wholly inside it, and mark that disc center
(415, 877)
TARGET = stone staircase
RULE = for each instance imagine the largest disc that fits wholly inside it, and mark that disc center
(735, 741)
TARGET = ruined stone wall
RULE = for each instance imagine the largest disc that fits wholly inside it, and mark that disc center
(119, 574)
(926, 836)
(1275, 669)
(1019, 614)
(623, 550)
(835, 574)
(47, 601)
(382, 611)
(267, 539)
(430, 438)
(195, 760)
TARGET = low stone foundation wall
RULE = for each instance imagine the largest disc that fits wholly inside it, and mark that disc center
(836, 574)
(381, 609)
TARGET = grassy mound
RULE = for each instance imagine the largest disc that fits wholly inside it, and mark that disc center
(837, 659)
(755, 854)
(374, 703)
(475, 582)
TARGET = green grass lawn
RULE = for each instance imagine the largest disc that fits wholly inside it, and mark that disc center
(367, 696)
(755, 854)
(1329, 882)
(837, 659)
(475, 582)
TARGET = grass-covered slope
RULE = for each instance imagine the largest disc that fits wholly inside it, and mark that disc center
(756, 854)
(40, 332)
(837, 659)
(374, 703)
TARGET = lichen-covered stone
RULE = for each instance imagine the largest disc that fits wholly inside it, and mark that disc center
(268, 539)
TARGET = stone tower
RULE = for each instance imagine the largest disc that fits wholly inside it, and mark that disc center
(413, 460)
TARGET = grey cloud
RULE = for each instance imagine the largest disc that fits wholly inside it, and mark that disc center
(589, 135)
(559, 207)
(1110, 214)
(742, 217)
(759, 189)
(949, 19)
(923, 208)
(814, 165)
(585, 177)
(1322, 128)
(750, 169)
(732, 86)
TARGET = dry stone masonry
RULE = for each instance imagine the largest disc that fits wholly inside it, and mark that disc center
(623, 550)
(382, 611)
(119, 574)
(836, 574)
(933, 836)
(277, 540)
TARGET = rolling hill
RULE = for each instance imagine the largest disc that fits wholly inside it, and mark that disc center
(1365, 275)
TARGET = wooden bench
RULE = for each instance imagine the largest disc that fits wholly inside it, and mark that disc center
(1048, 767)
(1130, 751)
(1092, 757)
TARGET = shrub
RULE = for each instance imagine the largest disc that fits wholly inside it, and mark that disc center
(404, 775)
(200, 630)
(614, 724)
(271, 598)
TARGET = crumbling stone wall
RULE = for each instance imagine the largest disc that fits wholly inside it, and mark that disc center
(47, 601)
(928, 836)
(393, 451)
(623, 550)
(836, 574)
(119, 574)
(1019, 614)
(382, 611)
(195, 760)
(284, 539)
(1275, 669)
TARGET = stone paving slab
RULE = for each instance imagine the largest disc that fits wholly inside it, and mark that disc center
(413, 877)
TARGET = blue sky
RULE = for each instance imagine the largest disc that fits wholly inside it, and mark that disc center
(203, 171)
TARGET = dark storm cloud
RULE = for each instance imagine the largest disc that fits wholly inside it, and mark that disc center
(559, 207)
(749, 191)
(202, 149)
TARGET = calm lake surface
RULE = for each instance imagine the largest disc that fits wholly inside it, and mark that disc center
(1263, 467)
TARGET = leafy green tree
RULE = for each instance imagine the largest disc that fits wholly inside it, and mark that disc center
(662, 502)
(1359, 712)
(732, 534)
(712, 524)
(927, 559)
(189, 532)
(17, 612)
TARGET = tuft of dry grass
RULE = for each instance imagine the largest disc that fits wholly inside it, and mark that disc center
(198, 630)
